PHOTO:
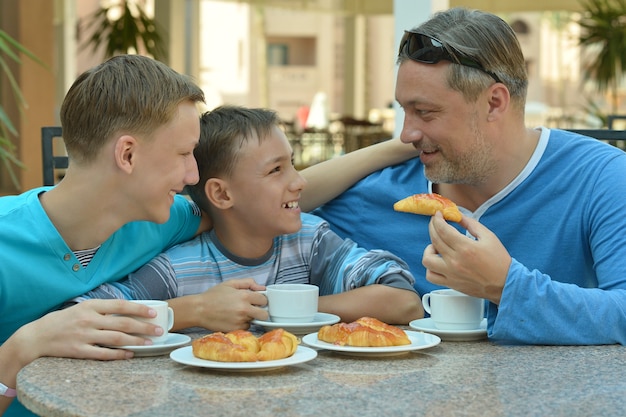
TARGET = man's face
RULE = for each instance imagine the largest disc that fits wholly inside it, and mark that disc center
(440, 123)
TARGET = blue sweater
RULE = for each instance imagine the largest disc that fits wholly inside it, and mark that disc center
(563, 221)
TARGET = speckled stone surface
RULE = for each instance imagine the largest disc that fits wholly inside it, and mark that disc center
(452, 379)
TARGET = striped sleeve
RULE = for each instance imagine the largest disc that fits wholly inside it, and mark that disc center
(339, 265)
(154, 281)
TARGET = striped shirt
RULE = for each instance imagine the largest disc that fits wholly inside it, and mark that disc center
(315, 255)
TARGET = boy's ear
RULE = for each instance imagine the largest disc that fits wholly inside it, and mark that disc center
(124, 151)
(218, 193)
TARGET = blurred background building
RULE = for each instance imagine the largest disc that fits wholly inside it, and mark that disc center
(327, 66)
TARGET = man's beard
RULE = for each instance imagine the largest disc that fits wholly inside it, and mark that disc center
(473, 166)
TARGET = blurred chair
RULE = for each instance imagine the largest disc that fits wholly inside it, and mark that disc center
(51, 162)
(610, 119)
(294, 137)
(361, 133)
(616, 138)
(317, 145)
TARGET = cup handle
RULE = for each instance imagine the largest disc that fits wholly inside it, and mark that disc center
(170, 318)
(426, 302)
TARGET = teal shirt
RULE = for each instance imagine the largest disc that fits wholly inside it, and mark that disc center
(38, 271)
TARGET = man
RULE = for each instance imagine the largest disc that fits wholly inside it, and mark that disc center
(543, 237)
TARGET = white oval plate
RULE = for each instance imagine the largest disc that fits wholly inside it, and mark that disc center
(185, 356)
(173, 341)
(298, 329)
(418, 340)
(427, 325)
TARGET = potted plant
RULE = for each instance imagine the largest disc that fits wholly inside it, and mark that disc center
(603, 34)
(124, 27)
(9, 51)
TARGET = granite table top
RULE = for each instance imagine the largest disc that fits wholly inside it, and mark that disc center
(477, 378)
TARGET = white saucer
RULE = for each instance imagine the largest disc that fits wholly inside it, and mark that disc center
(185, 356)
(427, 325)
(418, 341)
(173, 341)
(298, 329)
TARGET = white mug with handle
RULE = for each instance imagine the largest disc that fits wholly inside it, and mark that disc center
(292, 303)
(164, 319)
(452, 310)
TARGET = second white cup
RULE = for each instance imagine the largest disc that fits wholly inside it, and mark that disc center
(292, 303)
(453, 310)
(164, 319)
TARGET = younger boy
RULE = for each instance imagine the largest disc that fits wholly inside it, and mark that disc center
(250, 189)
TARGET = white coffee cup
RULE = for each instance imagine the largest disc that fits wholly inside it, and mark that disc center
(452, 310)
(164, 318)
(292, 303)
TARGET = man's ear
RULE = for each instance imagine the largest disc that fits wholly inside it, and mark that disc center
(124, 152)
(218, 193)
(499, 101)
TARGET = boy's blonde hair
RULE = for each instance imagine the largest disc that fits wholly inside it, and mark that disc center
(130, 94)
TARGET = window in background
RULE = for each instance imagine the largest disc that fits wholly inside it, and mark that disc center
(277, 54)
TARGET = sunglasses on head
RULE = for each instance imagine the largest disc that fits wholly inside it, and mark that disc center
(428, 50)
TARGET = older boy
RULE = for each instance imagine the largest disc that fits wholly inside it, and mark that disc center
(131, 150)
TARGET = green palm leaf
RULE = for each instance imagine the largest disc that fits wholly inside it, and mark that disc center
(9, 51)
(132, 29)
(603, 34)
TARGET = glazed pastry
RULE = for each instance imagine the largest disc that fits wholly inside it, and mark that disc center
(364, 332)
(218, 347)
(277, 344)
(245, 339)
(428, 205)
(381, 326)
(243, 346)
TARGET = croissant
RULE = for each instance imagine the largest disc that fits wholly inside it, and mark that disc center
(243, 346)
(364, 332)
(218, 347)
(429, 204)
(245, 339)
(379, 325)
(277, 344)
